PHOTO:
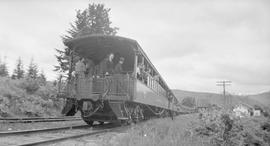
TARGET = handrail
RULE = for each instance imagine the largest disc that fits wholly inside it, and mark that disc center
(90, 114)
(102, 97)
(115, 85)
(159, 113)
(119, 83)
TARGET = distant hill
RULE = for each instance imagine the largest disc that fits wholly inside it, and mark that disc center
(263, 98)
(204, 98)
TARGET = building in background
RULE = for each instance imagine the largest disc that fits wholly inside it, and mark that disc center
(241, 111)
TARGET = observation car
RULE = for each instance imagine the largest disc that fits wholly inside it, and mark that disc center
(136, 94)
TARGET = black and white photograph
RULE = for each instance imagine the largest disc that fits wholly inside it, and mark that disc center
(134, 73)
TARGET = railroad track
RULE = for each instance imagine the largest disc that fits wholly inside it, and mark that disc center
(38, 119)
(66, 137)
(7, 133)
(66, 133)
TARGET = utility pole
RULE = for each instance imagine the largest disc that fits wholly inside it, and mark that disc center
(224, 83)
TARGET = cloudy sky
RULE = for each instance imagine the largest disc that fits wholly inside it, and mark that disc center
(193, 43)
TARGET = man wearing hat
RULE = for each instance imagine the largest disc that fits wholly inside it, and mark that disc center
(118, 68)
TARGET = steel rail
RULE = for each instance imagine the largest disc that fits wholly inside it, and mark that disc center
(30, 120)
(36, 121)
(54, 140)
(7, 133)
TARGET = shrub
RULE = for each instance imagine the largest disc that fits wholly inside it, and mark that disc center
(22, 97)
(189, 102)
(30, 85)
(224, 129)
(4, 107)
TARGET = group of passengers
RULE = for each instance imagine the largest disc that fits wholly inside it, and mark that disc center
(85, 67)
(149, 76)
(144, 73)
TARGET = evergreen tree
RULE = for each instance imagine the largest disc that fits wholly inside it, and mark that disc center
(42, 78)
(93, 20)
(3, 69)
(18, 72)
(32, 71)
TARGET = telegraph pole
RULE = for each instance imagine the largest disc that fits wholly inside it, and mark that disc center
(226, 100)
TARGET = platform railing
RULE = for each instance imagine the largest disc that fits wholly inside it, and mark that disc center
(120, 85)
(83, 87)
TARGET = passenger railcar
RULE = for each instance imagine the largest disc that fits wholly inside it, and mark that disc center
(136, 94)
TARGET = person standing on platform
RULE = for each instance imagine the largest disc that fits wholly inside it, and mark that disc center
(80, 68)
(110, 65)
(119, 78)
(90, 66)
(118, 68)
(106, 65)
(79, 76)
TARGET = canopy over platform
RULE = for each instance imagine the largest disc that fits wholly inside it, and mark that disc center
(96, 47)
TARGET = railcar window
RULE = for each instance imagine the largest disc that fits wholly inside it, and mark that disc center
(149, 77)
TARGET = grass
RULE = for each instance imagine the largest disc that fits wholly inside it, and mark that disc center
(163, 132)
(208, 128)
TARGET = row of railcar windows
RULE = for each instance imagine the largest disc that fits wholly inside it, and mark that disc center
(149, 77)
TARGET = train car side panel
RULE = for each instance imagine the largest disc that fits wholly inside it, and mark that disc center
(145, 95)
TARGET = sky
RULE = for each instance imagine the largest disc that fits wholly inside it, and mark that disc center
(192, 43)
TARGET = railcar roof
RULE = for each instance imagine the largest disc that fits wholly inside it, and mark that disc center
(104, 43)
(97, 47)
(115, 39)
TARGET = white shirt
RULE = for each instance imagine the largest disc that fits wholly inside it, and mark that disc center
(80, 67)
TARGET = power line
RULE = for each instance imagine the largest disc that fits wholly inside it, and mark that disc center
(227, 102)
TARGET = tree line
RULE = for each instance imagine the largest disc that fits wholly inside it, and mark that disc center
(32, 71)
